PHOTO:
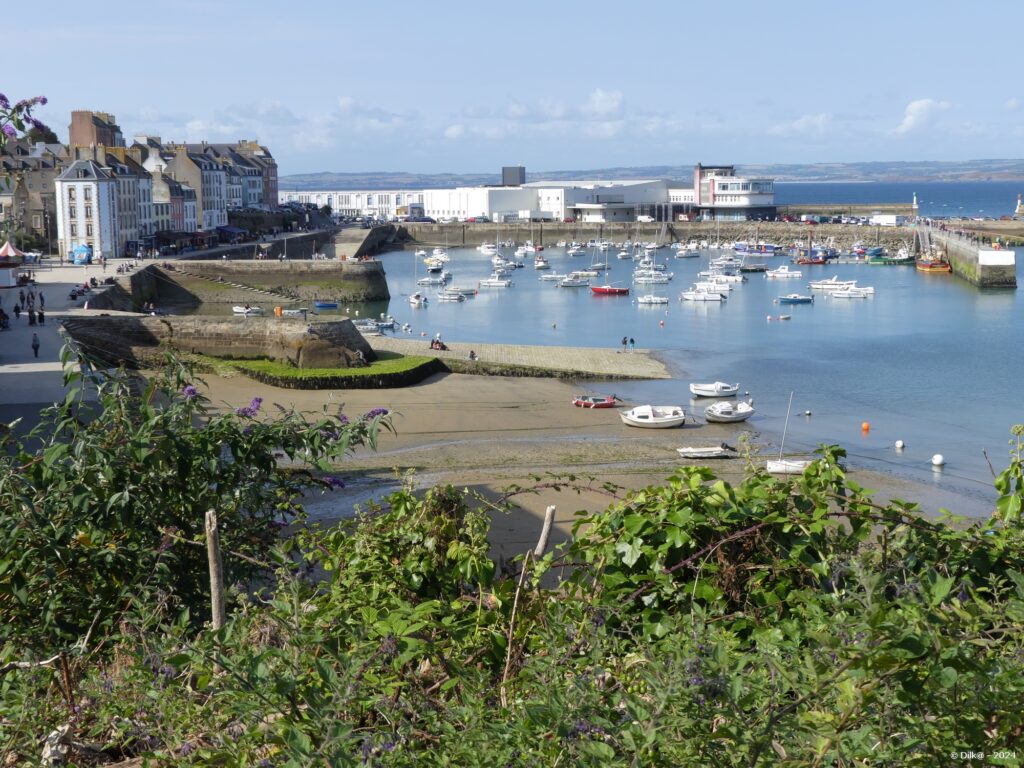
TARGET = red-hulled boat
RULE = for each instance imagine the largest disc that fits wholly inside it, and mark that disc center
(609, 290)
(594, 401)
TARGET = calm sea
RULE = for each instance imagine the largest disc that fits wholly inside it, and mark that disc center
(955, 198)
(929, 360)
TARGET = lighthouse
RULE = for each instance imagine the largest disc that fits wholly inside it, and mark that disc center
(915, 202)
(1020, 207)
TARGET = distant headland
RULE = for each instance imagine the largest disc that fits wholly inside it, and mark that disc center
(878, 171)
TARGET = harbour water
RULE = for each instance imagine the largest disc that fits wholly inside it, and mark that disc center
(928, 360)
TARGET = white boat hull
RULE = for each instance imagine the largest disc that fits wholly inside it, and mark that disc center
(728, 412)
(654, 416)
(714, 389)
(722, 451)
(787, 466)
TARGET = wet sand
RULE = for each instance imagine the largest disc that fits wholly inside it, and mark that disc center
(488, 433)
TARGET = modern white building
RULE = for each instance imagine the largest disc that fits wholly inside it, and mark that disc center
(716, 193)
(87, 209)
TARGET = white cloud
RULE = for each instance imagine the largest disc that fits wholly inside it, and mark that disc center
(455, 131)
(1013, 103)
(918, 113)
(517, 111)
(603, 103)
(806, 125)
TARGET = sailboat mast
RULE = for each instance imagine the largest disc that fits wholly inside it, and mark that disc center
(785, 428)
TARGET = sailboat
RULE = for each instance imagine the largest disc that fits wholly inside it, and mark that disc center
(781, 466)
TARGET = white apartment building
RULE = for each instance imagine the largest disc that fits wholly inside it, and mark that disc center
(378, 203)
(87, 198)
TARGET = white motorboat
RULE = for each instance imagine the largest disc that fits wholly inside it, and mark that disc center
(495, 281)
(441, 279)
(721, 451)
(575, 251)
(417, 299)
(487, 249)
(853, 292)
(654, 416)
(247, 310)
(701, 293)
(463, 289)
(830, 284)
(787, 466)
(650, 298)
(652, 279)
(539, 262)
(450, 298)
(721, 288)
(553, 276)
(727, 411)
(714, 389)
(420, 253)
(297, 312)
(783, 273)
(574, 281)
(440, 253)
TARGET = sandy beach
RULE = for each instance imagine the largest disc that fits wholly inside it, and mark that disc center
(489, 433)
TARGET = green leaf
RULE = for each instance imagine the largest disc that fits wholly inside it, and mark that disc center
(630, 551)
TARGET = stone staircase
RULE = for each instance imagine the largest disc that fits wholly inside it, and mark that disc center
(220, 281)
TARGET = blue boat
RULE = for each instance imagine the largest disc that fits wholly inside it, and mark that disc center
(795, 298)
(325, 304)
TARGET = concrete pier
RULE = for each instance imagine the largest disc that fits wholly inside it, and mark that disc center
(985, 266)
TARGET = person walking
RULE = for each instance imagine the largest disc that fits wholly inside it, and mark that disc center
(632, 345)
(42, 302)
(35, 344)
(625, 341)
(17, 311)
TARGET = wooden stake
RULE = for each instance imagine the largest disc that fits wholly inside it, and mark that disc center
(218, 616)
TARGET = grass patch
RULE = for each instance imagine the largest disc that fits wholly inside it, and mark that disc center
(386, 363)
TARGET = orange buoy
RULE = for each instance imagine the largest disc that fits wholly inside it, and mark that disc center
(661, 323)
(865, 427)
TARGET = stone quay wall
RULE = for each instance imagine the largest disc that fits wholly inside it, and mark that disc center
(983, 266)
(303, 280)
(312, 346)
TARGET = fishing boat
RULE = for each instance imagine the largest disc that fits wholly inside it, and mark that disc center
(796, 298)
(933, 264)
(609, 290)
(650, 298)
(654, 416)
(594, 401)
(720, 451)
(714, 389)
(903, 257)
(247, 310)
(729, 412)
(325, 304)
(539, 262)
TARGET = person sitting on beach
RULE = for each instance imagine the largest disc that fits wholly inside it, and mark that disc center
(472, 354)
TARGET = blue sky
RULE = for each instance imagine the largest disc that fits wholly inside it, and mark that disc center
(467, 87)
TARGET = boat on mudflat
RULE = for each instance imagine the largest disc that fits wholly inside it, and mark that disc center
(787, 466)
(325, 304)
(721, 451)
(654, 416)
(714, 389)
(247, 310)
(729, 412)
(594, 401)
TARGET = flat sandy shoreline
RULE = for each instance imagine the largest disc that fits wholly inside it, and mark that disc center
(489, 433)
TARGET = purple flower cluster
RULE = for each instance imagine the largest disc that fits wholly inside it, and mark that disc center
(190, 392)
(8, 130)
(249, 411)
(373, 414)
(4, 103)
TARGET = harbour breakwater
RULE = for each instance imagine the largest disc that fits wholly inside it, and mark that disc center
(841, 236)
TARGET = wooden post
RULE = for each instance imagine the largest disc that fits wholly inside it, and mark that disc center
(218, 616)
(545, 531)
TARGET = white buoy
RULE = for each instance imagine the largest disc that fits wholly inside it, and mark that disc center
(807, 413)
(900, 445)
(938, 460)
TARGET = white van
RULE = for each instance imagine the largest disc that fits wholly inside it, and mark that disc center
(645, 219)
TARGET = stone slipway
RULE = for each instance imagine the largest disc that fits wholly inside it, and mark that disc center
(596, 362)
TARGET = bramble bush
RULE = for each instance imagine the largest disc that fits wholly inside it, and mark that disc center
(694, 623)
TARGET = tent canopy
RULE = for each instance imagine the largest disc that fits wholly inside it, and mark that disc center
(8, 251)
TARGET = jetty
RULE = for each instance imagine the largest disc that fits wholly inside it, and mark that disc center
(982, 265)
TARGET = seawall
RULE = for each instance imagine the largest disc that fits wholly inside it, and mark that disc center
(981, 265)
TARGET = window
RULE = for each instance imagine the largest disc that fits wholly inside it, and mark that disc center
(74, 230)
(37, 221)
(88, 193)
(88, 211)
(71, 193)
(88, 230)
(73, 212)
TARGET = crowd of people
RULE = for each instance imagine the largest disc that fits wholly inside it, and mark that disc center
(31, 303)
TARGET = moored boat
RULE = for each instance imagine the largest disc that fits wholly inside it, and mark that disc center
(714, 389)
(654, 416)
(325, 304)
(795, 298)
(729, 412)
(721, 451)
(783, 273)
(787, 466)
(247, 310)
(650, 298)
(594, 401)
(417, 299)
(933, 264)
(609, 290)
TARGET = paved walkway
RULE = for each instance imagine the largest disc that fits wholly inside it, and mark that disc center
(613, 363)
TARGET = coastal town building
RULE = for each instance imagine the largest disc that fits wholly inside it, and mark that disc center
(87, 197)
(27, 197)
